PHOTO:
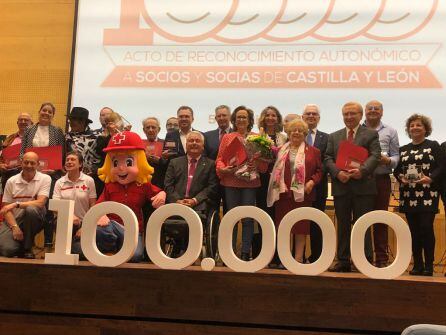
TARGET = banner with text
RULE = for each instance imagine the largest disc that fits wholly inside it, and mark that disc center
(147, 57)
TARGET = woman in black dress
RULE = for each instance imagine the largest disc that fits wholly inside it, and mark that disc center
(419, 172)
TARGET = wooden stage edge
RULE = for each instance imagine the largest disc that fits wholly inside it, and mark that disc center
(142, 299)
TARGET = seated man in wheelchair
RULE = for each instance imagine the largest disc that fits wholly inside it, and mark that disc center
(191, 181)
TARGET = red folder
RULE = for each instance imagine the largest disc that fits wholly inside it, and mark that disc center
(235, 153)
(50, 158)
(350, 156)
(11, 154)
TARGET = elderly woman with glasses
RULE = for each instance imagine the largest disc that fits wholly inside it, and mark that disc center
(297, 170)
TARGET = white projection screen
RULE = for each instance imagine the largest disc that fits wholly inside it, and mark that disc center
(147, 57)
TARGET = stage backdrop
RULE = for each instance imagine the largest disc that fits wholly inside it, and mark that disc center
(147, 57)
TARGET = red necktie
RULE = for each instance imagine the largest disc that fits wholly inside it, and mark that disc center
(350, 135)
(222, 132)
(190, 175)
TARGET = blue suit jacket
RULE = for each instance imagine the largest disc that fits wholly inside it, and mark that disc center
(212, 143)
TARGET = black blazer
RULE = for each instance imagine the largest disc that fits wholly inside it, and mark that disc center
(172, 142)
(204, 186)
(366, 138)
(55, 134)
(212, 143)
(320, 142)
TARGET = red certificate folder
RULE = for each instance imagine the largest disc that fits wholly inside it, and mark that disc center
(50, 158)
(350, 156)
(11, 154)
(235, 153)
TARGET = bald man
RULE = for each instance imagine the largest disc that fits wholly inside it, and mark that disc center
(9, 168)
(388, 140)
(24, 200)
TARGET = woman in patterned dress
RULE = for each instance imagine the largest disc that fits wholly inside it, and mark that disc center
(419, 172)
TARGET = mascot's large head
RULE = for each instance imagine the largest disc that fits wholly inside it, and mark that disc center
(126, 160)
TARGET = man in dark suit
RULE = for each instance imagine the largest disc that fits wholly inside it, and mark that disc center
(318, 139)
(354, 189)
(191, 180)
(212, 138)
(175, 141)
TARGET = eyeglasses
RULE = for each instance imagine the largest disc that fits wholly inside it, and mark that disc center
(373, 108)
(241, 117)
(311, 114)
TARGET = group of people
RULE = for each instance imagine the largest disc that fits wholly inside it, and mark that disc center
(201, 171)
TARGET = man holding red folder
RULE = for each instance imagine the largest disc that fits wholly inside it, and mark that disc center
(353, 186)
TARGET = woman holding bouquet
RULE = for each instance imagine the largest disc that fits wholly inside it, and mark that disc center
(297, 170)
(239, 190)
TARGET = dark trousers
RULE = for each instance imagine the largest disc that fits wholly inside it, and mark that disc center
(316, 232)
(423, 239)
(380, 231)
(30, 222)
(348, 209)
(261, 195)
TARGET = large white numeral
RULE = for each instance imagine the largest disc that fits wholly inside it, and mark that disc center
(328, 238)
(153, 237)
(404, 242)
(88, 237)
(225, 239)
(62, 253)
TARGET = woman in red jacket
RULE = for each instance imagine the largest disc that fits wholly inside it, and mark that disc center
(297, 170)
(239, 192)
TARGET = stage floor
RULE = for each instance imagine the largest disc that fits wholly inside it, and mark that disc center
(143, 299)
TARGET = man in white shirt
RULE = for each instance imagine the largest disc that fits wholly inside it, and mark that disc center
(24, 200)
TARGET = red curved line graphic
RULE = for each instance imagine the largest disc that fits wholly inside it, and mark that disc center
(192, 39)
(410, 33)
(359, 33)
(256, 36)
(309, 32)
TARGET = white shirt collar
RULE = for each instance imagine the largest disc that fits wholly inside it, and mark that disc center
(23, 181)
(65, 178)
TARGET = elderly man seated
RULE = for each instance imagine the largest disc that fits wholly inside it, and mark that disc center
(23, 208)
(191, 180)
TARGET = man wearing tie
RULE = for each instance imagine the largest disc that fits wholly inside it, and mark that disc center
(354, 189)
(191, 180)
(319, 139)
(213, 137)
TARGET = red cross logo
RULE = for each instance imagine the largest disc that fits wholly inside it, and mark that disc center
(118, 138)
(83, 187)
